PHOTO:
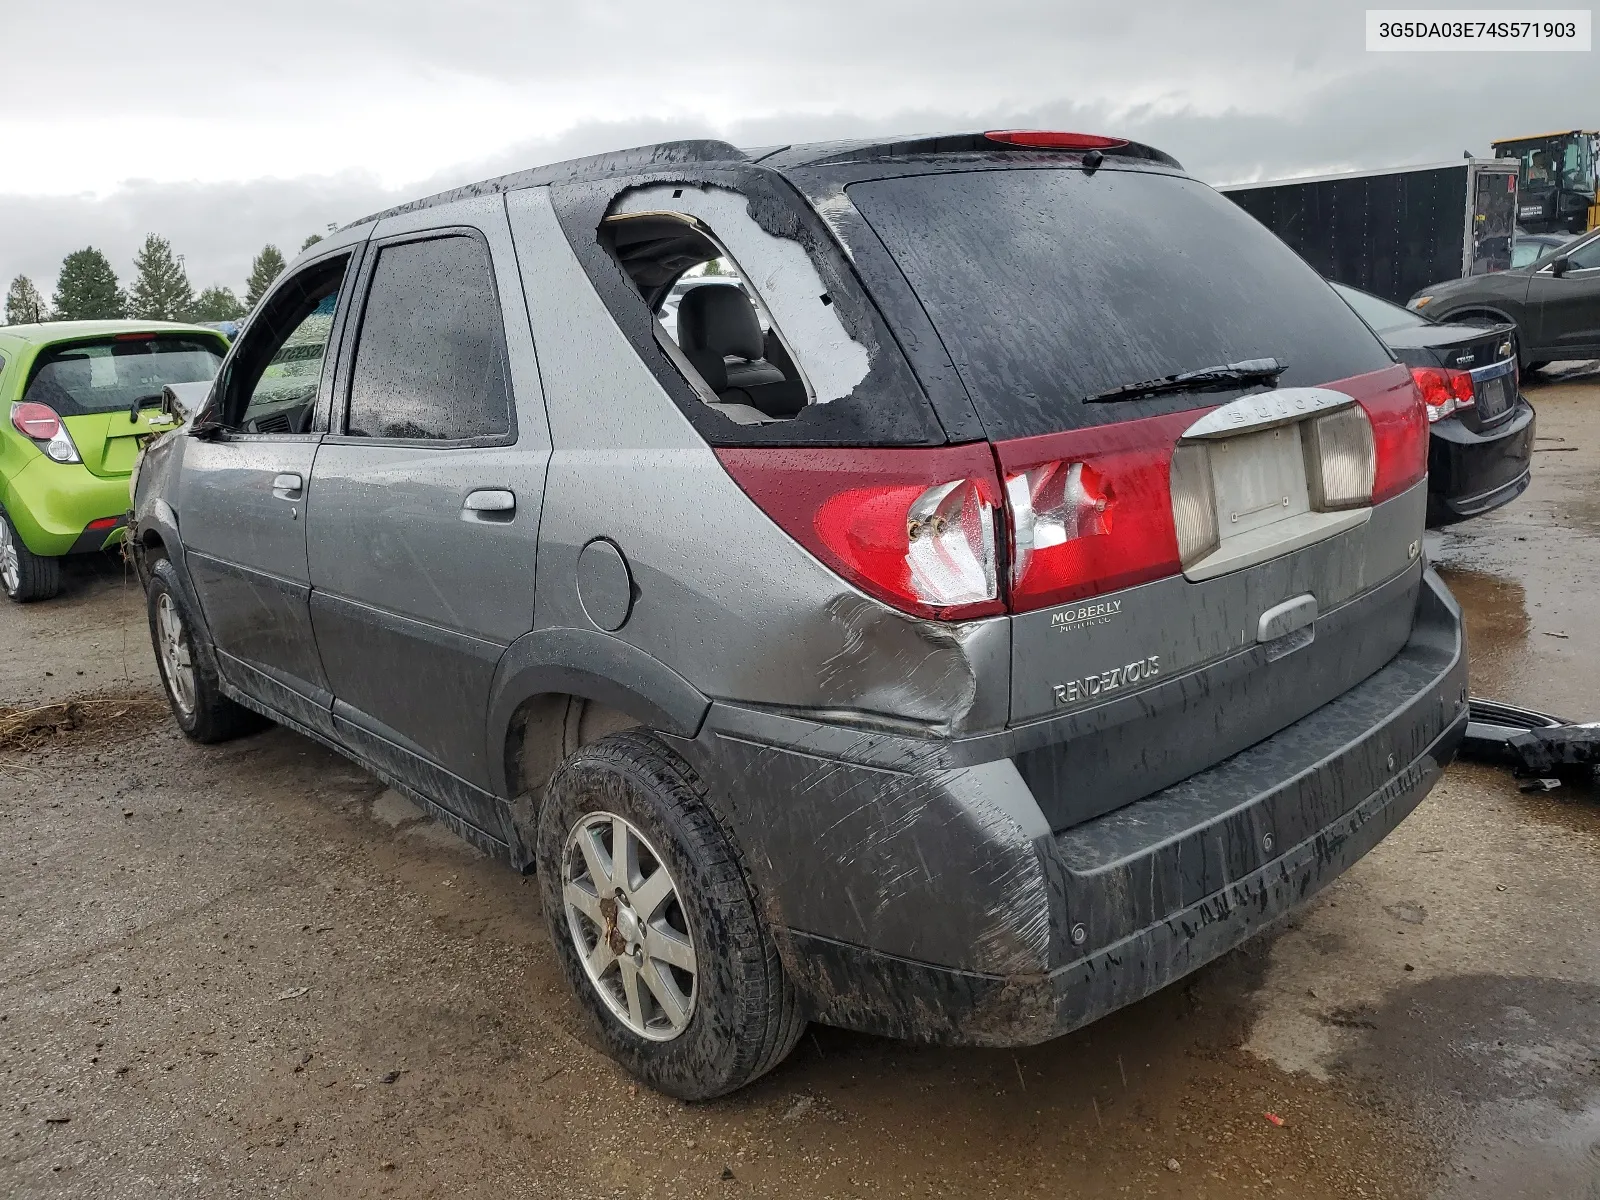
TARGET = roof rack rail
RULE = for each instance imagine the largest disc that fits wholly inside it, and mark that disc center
(594, 166)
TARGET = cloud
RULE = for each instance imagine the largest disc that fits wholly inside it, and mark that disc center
(263, 123)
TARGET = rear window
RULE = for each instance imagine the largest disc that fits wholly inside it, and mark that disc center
(1380, 314)
(1051, 286)
(108, 375)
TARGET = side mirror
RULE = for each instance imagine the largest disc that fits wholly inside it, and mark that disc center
(1558, 268)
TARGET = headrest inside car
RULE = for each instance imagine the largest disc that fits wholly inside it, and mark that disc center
(719, 318)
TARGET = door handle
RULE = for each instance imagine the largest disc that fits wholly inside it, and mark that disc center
(287, 486)
(489, 504)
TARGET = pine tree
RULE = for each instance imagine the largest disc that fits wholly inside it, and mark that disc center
(310, 242)
(161, 290)
(24, 305)
(87, 289)
(268, 265)
(216, 303)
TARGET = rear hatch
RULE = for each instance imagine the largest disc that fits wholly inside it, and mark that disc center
(1196, 564)
(107, 390)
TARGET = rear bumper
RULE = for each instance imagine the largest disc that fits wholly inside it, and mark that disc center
(1472, 473)
(51, 504)
(924, 902)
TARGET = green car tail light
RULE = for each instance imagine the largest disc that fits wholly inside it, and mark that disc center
(41, 425)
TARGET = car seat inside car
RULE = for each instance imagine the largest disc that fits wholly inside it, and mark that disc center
(740, 358)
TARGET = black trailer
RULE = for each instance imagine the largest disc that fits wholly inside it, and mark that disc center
(1394, 231)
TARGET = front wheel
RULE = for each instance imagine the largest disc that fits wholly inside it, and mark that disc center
(201, 710)
(24, 575)
(655, 924)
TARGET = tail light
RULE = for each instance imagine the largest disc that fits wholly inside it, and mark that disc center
(1444, 391)
(1090, 510)
(41, 423)
(1341, 460)
(929, 548)
(1086, 511)
(1399, 419)
(1194, 503)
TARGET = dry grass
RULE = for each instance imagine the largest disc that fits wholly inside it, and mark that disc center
(23, 728)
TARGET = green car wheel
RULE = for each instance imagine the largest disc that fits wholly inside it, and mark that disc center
(24, 575)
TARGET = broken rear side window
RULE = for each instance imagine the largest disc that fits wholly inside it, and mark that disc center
(713, 320)
(753, 320)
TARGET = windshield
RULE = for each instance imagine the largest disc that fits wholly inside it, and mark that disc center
(107, 375)
(1525, 253)
(1380, 314)
(1568, 162)
(1051, 286)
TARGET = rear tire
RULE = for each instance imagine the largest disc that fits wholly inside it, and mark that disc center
(203, 713)
(25, 576)
(742, 1016)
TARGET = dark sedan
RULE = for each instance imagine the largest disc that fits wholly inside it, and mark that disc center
(1554, 302)
(1480, 449)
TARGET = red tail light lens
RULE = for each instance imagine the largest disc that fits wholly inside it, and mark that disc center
(1049, 139)
(915, 528)
(102, 523)
(1399, 416)
(1444, 391)
(37, 421)
(1090, 509)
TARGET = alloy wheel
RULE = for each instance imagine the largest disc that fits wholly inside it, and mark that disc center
(629, 926)
(10, 563)
(177, 664)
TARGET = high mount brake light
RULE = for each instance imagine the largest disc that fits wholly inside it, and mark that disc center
(914, 527)
(1046, 139)
(1444, 391)
(40, 423)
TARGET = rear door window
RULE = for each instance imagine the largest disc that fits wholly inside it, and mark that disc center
(109, 374)
(1052, 286)
(1380, 314)
(431, 361)
(1586, 257)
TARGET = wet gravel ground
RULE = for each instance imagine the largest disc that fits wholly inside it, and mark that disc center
(250, 970)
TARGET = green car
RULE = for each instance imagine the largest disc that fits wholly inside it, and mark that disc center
(78, 399)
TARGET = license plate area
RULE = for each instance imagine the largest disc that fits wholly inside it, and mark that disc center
(1259, 479)
(1254, 480)
(1494, 390)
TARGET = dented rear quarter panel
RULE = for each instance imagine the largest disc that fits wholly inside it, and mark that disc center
(723, 596)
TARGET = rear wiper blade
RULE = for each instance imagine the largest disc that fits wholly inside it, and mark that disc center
(1250, 370)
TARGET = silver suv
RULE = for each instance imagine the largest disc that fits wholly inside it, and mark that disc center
(1007, 602)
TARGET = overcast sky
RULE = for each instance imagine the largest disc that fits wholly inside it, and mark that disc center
(225, 127)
